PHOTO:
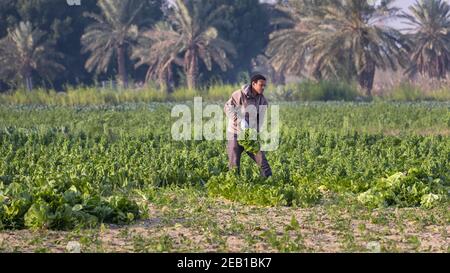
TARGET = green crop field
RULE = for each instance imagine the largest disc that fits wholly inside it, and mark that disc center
(347, 176)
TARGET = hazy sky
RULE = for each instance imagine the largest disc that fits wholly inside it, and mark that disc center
(404, 4)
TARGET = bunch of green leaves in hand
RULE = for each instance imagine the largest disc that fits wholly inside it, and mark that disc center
(249, 144)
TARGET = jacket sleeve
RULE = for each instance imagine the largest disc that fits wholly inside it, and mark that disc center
(231, 107)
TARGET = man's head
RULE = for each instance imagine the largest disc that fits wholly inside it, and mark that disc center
(258, 83)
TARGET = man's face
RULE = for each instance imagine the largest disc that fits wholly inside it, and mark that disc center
(259, 86)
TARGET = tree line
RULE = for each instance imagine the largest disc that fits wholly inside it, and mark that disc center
(196, 42)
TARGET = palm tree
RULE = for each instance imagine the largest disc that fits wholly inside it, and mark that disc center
(158, 49)
(341, 37)
(429, 29)
(114, 30)
(286, 54)
(24, 51)
(188, 37)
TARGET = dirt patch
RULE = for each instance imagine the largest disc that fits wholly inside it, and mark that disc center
(223, 226)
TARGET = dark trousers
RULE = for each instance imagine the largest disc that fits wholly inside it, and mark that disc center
(234, 157)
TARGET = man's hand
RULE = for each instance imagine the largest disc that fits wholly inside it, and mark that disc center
(244, 124)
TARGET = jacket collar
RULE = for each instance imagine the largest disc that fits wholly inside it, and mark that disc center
(247, 90)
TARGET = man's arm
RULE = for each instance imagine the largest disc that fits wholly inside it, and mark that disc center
(231, 108)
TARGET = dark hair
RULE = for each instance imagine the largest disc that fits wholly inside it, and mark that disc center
(257, 77)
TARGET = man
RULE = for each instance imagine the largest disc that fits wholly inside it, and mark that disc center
(237, 109)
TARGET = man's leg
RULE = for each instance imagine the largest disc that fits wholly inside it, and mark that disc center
(261, 160)
(234, 151)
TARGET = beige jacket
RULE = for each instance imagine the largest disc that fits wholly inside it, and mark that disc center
(235, 108)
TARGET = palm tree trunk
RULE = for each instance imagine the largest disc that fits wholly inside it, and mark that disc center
(164, 81)
(29, 84)
(169, 81)
(191, 82)
(28, 80)
(279, 78)
(122, 67)
(366, 79)
(191, 70)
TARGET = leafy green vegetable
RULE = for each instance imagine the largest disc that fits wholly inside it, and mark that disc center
(249, 140)
(414, 188)
(65, 167)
